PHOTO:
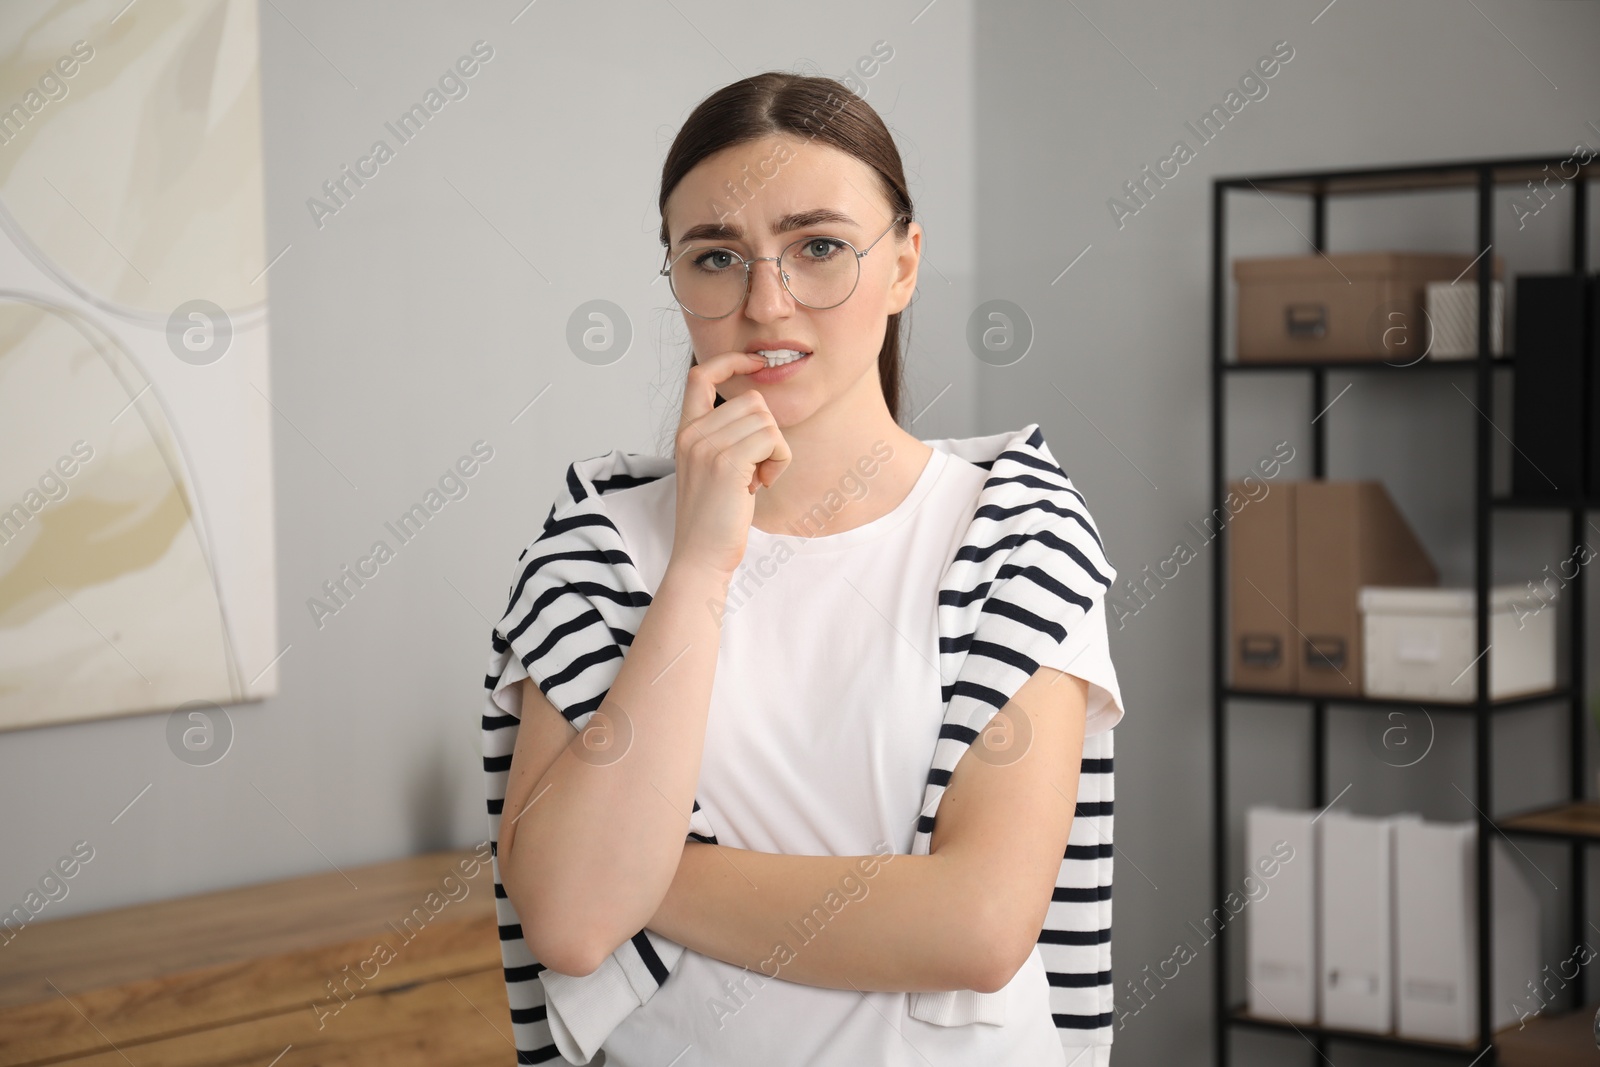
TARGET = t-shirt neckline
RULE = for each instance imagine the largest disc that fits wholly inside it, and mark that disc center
(937, 459)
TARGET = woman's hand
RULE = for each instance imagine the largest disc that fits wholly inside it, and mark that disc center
(723, 453)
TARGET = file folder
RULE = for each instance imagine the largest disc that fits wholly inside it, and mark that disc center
(1280, 934)
(1436, 935)
(1355, 861)
(1436, 930)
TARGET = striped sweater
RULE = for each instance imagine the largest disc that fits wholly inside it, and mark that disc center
(1028, 570)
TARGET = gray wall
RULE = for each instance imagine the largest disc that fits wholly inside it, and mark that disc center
(1071, 109)
(429, 311)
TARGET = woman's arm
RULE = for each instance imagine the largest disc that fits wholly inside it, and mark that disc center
(845, 922)
(966, 916)
(588, 844)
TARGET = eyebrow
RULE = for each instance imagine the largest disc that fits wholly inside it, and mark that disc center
(724, 231)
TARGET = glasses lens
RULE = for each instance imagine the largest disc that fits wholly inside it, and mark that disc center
(822, 271)
(709, 281)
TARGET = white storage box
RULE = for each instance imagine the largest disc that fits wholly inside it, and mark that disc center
(1452, 313)
(1419, 642)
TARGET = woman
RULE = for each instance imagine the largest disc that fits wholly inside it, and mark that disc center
(781, 625)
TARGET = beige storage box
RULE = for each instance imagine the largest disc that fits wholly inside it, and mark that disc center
(1420, 642)
(1453, 320)
(1365, 306)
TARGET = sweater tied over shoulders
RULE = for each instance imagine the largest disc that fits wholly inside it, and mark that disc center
(1031, 565)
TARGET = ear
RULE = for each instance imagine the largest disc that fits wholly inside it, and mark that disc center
(906, 262)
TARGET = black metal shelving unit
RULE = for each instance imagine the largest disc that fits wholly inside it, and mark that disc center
(1577, 822)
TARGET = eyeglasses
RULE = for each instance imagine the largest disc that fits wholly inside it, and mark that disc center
(819, 272)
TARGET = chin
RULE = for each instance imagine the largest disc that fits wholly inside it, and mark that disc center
(789, 411)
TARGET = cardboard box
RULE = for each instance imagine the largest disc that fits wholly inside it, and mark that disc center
(1341, 306)
(1348, 534)
(1261, 597)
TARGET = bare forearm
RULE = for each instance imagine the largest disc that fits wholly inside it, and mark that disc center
(907, 926)
(598, 842)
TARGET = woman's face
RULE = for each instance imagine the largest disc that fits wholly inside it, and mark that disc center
(779, 180)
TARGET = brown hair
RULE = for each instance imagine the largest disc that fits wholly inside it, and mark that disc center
(811, 108)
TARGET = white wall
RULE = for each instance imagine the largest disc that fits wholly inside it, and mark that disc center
(430, 310)
(420, 318)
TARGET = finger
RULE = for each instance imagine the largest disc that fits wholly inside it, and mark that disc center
(712, 428)
(744, 442)
(700, 389)
(769, 469)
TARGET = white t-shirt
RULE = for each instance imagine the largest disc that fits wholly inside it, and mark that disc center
(824, 713)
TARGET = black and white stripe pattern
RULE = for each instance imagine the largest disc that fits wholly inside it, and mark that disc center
(1028, 570)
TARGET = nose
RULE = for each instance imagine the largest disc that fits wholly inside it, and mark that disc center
(768, 295)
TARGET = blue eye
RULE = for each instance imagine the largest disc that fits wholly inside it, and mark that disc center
(829, 247)
(724, 257)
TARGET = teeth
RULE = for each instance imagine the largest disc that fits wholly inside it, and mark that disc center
(777, 357)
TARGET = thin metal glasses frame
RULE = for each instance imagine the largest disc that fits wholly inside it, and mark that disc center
(750, 262)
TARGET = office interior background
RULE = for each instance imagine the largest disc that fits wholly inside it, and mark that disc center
(431, 310)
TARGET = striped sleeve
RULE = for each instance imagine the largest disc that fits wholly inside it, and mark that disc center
(1075, 942)
(1035, 556)
(1062, 603)
(574, 604)
(1086, 653)
(1031, 570)
(1059, 576)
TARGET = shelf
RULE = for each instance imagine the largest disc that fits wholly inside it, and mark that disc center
(1424, 177)
(1553, 1039)
(1550, 1040)
(1421, 366)
(1534, 503)
(1571, 820)
(1561, 1040)
(1242, 1017)
(1503, 704)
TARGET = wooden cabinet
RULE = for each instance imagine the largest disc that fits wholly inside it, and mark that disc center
(396, 964)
